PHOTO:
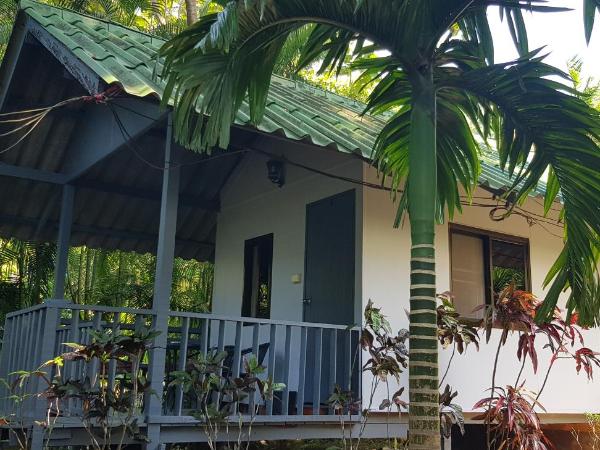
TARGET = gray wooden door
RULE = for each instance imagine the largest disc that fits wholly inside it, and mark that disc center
(330, 260)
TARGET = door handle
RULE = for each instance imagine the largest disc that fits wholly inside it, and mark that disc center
(307, 301)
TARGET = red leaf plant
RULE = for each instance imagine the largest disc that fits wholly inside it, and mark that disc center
(586, 358)
(515, 311)
(510, 414)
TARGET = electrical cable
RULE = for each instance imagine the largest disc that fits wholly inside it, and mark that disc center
(518, 211)
(133, 111)
(36, 115)
(130, 143)
(494, 207)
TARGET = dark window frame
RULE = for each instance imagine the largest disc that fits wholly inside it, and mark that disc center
(488, 236)
(268, 240)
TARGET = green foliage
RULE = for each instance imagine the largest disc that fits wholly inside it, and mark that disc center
(388, 354)
(108, 402)
(20, 391)
(219, 396)
(8, 11)
(504, 276)
(127, 12)
(589, 88)
(289, 57)
(25, 274)
(452, 330)
(97, 277)
(387, 359)
(343, 85)
(107, 405)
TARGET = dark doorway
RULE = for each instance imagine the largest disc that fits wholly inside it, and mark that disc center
(258, 263)
(330, 260)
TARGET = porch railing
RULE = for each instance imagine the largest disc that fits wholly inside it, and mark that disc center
(308, 358)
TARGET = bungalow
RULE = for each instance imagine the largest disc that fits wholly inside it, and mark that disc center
(292, 214)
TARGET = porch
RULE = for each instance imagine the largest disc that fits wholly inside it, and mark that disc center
(308, 358)
(110, 176)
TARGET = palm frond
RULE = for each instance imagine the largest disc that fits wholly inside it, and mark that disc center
(457, 151)
(210, 68)
(545, 127)
(537, 122)
(589, 14)
(288, 60)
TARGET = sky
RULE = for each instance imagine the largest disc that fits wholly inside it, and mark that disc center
(561, 34)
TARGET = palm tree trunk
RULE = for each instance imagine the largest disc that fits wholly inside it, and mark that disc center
(191, 11)
(424, 421)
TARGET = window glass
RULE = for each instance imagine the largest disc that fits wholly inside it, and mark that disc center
(468, 274)
(508, 265)
(482, 265)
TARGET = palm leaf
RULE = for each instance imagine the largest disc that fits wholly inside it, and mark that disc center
(537, 122)
(547, 127)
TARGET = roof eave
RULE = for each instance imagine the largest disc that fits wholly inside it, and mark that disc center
(89, 79)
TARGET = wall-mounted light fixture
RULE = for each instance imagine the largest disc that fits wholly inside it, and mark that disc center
(276, 171)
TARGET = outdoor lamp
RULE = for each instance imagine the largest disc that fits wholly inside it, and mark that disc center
(275, 172)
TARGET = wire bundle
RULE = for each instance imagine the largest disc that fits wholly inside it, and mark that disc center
(22, 123)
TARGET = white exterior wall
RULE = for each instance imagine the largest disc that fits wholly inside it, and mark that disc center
(386, 255)
(252, 206)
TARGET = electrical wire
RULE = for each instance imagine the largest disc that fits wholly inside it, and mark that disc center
(130, 143)
(33, 117)
(530, 217)
(326, 174)
(133, 111)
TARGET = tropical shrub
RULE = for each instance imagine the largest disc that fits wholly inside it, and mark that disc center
(21, 395)
(108, 402)
(218, 396)
(387, 357)
(512, 419)
(509, 412)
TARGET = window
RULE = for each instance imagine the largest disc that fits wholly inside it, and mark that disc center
(258, 262)
(482, 264)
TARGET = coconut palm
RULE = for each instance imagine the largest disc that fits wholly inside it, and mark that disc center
(431, 65)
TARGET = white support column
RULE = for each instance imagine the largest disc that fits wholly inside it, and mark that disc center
(63, 240)
(165, 255)
(446, 443)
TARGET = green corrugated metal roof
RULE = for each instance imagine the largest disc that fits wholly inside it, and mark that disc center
(118, 54)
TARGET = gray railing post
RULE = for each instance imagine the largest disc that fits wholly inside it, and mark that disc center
(165, 254)
(7, 344)
(46, 352)
(63, 240)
